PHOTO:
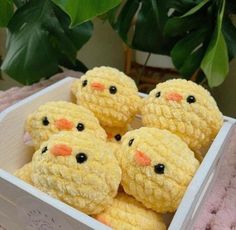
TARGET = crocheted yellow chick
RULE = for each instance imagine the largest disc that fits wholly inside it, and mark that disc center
(24, 173)
(157, 167)
(126, 213)
(186, 109)
(115, 134)
(57, 116)
(78, 169)
(109, 94)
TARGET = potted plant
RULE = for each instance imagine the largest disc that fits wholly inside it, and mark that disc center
(44, 36)
(198, 34)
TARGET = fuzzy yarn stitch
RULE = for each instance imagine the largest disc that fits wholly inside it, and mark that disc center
(157, 167)
(25, 173)
(187, 110)
(56, 116)
(109, 94)
(79, 169)
(126, 213)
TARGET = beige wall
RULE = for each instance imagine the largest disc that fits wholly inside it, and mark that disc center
(226, 93)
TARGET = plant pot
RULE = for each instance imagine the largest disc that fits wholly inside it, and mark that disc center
(155, 60)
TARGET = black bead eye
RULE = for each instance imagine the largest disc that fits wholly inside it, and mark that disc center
(113, 89)
(131, 142)
(159, 168)
(158, 94)
(45, 149)
(191, 99)
(80, 127)
(84, 83)
(81, 158)
(45, 121)
(118, 137)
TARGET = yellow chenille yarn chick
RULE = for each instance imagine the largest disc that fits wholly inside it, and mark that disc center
(126, 213)
(186, 109)
(78, 169)
(24, 173)
(109, 94)
(57, 116)
(157, 167)
(114, 135)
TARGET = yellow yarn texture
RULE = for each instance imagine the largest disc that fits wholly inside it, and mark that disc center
(25, 173)
(126, 213)
(88, 182)
(56, 111)
(157, 167)
(197, 122)
(109, 94)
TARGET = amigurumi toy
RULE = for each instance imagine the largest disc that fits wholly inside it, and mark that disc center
(109, 94)
(78, 169)
(187, 110)
(126, 213)
(157, 167)
(114, 135)
(25, 173)
(57, 116)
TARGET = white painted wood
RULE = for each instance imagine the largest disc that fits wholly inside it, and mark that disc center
(13, 153)
(184, 217)
(34, 206)
(30, 201)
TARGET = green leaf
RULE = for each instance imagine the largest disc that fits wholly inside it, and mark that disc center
(85, 10)
(230, 7)
(215, 62)
(39, 37)
(20, 3)
(141, 23)
(6, 12)
(77, 65)
(192, 19)
(125, 19)
(229, 32)
(188, 52)
(179, 25)
(196, 8)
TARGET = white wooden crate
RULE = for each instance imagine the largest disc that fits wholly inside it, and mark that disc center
(24, 207)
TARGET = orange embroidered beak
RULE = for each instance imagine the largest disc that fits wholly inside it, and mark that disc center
(98, 86)
(174, 97)
(64, 124)
(142, 159)
(61, 150)
(109, 136)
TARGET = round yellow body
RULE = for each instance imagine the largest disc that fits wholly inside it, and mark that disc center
(195, 120)
(157, 167)
(126, 213)
(25, 173)
(112, 108)
(90, 185)
(56, 113)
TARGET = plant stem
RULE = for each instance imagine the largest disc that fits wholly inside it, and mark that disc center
(143, 68)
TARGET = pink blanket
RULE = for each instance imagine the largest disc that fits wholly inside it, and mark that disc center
(15, 94)
(219, 209)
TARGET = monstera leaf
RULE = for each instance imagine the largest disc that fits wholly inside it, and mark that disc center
(40, 39)
(141, 23)
(46, 34)
(6, 12)
(83, 10)
(190, 31)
